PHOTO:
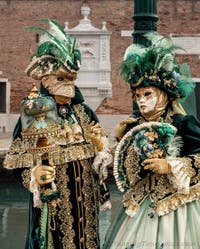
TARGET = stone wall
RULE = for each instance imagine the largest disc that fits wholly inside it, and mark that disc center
(175, 17)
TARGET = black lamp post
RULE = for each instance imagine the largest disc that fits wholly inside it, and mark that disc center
(145, 19)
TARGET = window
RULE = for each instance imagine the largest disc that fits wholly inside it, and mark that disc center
(2, 97)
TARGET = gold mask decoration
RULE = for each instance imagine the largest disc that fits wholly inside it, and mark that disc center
(59, 85)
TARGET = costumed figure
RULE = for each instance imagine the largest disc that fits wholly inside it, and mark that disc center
(157, 159)
(59, 151)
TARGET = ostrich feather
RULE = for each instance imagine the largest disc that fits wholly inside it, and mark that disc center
(57, 43)
(176, 144)
(52, 39)
(57, 30)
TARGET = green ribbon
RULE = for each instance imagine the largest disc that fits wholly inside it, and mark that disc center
(44, 228)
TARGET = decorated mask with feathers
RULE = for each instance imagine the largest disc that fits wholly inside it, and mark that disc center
(156, 66)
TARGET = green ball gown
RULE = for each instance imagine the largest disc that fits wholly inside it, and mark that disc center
(165, 209)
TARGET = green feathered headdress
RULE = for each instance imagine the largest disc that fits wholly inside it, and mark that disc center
(156, 66)
(56, 53)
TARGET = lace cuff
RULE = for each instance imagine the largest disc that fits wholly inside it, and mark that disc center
(106, 205)
(35, 189)
(181, 169)
(102, 160)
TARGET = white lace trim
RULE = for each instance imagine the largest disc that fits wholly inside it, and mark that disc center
(179, 179)
(106, 205)
(35, 189)
(102, 160)
(130, 212)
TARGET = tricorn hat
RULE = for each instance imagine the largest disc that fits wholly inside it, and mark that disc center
(56, 54)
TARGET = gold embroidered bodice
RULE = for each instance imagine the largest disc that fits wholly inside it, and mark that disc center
(164, 195)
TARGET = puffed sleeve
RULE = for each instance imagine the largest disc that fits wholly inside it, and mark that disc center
(186, 168)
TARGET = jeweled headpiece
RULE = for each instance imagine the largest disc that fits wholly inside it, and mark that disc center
(156, 66)
(56, 54)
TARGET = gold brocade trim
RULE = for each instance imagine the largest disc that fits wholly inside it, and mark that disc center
(52, 130)
(132, 199)
(26, 178)
(25, 160)
(22, 153)
(195, 164)
(57, 155)
(161, 187)
(64, 214)
(197, 160)
(187, 166)
(121, 153)
(132, 166)
(90, 203)
(79, 202)
(83, 118)
(73, 153)
(36, 71)
(86, 197)
(174, 201)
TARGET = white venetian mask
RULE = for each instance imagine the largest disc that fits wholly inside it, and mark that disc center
(146, 99)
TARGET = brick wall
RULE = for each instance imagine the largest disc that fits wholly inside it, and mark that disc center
(175, 16)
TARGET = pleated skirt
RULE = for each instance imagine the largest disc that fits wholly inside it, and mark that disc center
(180, 229)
